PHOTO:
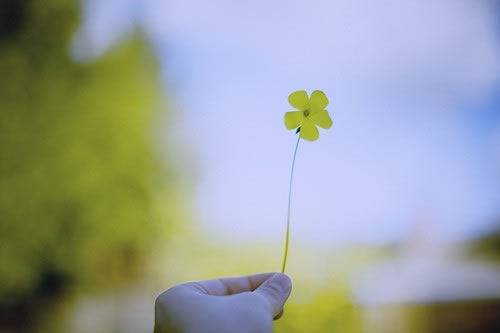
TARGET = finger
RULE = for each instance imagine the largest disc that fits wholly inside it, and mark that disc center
(279, 314)
(275, 291)
(229, 286)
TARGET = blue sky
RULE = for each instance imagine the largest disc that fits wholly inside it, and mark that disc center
(414, 92)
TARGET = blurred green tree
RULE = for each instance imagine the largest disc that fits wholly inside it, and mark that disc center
(77, 155)
(331, 311)
(487, 245)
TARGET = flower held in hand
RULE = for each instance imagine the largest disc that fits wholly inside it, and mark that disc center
(311, 113)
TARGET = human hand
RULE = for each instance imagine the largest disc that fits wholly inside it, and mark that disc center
(238, 304)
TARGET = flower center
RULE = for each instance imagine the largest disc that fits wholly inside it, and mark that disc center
(306, 113)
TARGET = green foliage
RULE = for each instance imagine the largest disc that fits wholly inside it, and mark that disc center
(487, 246)
(77, 163)
(330, 311)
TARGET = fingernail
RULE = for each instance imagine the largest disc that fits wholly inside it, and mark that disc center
(281, 282)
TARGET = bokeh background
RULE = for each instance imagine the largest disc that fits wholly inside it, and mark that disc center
(142, 145)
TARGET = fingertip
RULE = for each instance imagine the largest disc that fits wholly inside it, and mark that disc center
(275, 291)
(280, 314)
(283, 281)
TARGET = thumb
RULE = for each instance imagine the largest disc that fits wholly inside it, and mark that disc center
(275, 291)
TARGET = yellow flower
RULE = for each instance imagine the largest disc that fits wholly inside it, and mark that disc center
(311, 112)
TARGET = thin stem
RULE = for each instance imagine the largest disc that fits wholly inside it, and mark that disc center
(289, 202)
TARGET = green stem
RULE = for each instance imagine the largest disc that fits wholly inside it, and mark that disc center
(289, 202)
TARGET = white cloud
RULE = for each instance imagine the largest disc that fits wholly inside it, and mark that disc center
(397, 72)
(423, 47)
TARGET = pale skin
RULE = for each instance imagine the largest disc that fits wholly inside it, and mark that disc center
(239, 304)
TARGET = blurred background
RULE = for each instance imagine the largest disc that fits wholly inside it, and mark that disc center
(142, 145)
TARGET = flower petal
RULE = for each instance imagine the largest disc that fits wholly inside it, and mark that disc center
(322, 119)
(318, 100)
(293, 119)
(299, 100)
(308, 130)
